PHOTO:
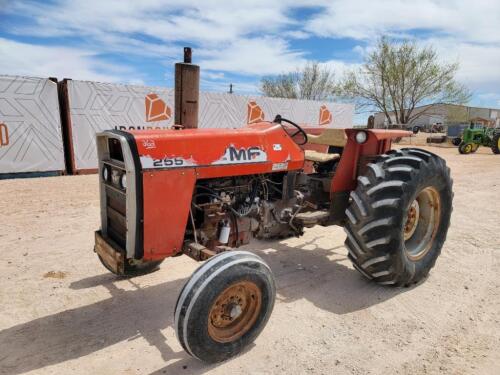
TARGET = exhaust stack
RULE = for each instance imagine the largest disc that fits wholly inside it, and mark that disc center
(187, 91)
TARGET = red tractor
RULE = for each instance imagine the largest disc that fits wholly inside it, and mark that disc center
(204, 192)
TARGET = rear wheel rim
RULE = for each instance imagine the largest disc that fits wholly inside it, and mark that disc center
(234, 311)
(422, 223)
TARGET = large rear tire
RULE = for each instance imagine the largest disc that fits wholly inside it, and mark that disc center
(399, 217)
(495, 143)
(224, 306)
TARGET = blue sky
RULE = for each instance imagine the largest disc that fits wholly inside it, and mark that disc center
(132, 41)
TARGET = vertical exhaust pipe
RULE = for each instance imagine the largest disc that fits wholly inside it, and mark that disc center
(187, 91)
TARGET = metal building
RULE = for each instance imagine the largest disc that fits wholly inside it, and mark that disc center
(446, 114)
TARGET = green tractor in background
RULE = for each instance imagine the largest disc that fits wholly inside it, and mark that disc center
(478, 135)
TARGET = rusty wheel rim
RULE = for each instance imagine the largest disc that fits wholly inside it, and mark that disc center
(234, 311)
(422, 223)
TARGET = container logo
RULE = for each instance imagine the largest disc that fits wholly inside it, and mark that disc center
(325, 116)
(254, 113)
(4, 135)
(156, 109)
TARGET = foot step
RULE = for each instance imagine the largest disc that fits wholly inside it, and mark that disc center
(311, 218)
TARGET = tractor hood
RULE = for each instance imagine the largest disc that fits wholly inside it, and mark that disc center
(260, 148)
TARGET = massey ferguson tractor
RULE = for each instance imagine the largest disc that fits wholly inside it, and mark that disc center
(205, 192)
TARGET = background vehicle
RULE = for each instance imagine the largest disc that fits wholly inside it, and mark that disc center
(478, 135)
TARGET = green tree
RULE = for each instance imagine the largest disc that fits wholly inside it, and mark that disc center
(396, 78)
(311, 82)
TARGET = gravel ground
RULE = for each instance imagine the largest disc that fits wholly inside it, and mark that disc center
(61, 312)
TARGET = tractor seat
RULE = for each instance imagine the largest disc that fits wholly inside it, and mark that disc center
(320, 157)
(329, 137)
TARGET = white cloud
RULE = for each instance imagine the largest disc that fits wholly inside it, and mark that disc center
(212, 75)
(239, 87)
(257, 56)
(339, 68)
(46, 61)
(473, 21)
(460, 30)
(228, 36)
(249, 37)
(208, 21)
(479, 63)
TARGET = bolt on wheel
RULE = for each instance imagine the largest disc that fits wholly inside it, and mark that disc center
(234, 312)
(224, 305)
(422, 223)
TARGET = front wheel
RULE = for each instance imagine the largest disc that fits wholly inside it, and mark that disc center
(224, 306)
(456, 141)
(399, 216)
(465, 148)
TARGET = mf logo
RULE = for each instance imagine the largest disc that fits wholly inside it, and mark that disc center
(4, 135)
(242, 154)
(233, 155)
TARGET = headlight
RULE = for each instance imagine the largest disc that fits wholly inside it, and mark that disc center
(123, 181)
(361, 137)
(105, 173)
(115, 177)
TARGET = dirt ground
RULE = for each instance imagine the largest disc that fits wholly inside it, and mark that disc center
(61, 312)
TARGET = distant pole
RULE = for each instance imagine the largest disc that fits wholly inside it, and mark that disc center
(371, 122)
(187, 91)
(230, 88)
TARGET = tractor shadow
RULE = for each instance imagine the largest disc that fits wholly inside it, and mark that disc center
(125, 316)
(320, 275)
(323, 276)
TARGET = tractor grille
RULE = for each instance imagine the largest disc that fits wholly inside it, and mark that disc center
(116, 215)
(113, 170)
(121, 192)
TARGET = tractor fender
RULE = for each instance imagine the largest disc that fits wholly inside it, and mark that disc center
(378, 141)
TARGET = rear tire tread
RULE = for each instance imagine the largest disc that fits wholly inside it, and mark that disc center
(374, 233)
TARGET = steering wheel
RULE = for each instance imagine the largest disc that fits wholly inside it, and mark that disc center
(278, 119)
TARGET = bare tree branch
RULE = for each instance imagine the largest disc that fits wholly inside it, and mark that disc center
(397, 78)
(312, 82)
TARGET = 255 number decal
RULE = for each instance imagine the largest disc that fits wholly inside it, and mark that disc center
(168, 162)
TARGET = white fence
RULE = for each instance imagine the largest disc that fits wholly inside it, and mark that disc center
(95, 107)
(30, 126)
(31, 135)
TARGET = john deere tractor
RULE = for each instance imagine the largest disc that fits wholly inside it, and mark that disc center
(478, 135)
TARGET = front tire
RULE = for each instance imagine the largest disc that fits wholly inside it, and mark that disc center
(224, 306)
(465, 148)
(399, 217)
(456, 141)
